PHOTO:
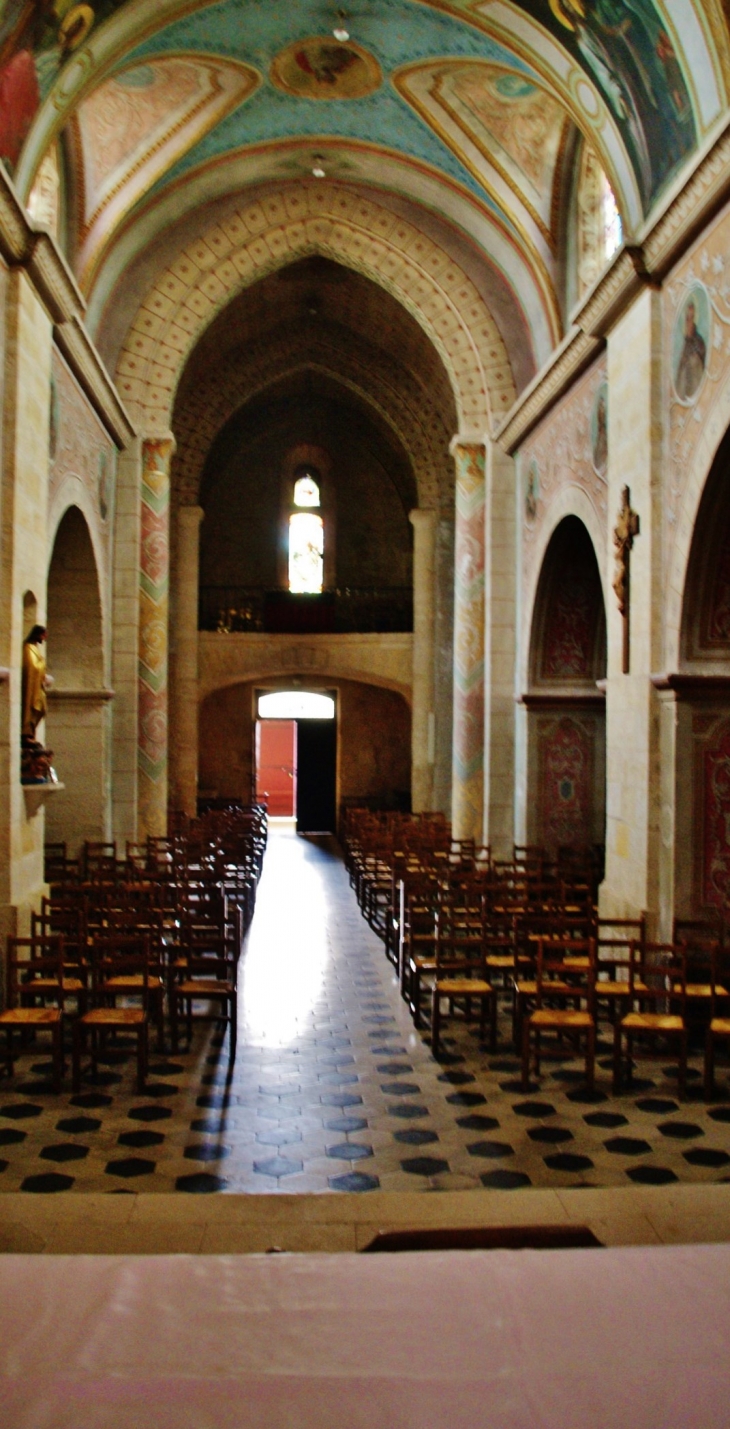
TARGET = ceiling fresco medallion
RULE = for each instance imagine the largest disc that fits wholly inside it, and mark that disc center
(320, 68)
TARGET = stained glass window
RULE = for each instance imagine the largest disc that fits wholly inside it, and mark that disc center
(306, 553)
(599, 221)
(306, 491)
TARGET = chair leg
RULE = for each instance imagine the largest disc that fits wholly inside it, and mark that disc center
(682, 1077)
(173, 1020)
(416, 998)
(591, 1058)
(709, 1082)
(233, 1007)
(435, 1021)
(142, 1057)
(78, 1037)
(160, 1016)
(493, 1021)
(525, 1053)
(616, 1058)
(57, 1057)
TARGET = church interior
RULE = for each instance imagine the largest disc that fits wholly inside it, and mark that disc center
(364, 704)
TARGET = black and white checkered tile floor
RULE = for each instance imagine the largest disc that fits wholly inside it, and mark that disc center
(333, 1090)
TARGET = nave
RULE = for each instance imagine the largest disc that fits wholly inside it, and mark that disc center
(332, 1089)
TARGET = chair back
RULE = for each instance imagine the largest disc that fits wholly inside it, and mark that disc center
(32, 960)
(658, 976)
(565, 969)
(120, 956)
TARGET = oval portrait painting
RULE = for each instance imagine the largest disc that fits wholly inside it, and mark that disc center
(691, 342)
(320, 68)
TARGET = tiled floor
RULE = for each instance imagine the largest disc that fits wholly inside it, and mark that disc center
(333, 1090)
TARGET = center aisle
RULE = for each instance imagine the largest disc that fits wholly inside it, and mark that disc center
(333, 1089)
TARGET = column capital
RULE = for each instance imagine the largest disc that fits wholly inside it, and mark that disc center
(468, 439)
(423, 516)
(190, 515)
(163, 440)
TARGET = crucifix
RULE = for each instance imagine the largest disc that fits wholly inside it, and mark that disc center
(626, 528)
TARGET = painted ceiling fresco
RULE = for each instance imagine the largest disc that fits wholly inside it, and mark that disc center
(481, 99)
(135, 125)
(627, 50)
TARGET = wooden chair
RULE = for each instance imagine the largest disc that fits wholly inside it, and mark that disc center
(613, 958)
(718, 1027)
(206, 974)
(565, 974)
(126, 936)
(461, 976)
(43, 941)
(573, 953)
(658, 997)
(27, 1010)
(120, 968)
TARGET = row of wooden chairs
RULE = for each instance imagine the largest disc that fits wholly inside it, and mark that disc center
(114, 953)
(465, 931)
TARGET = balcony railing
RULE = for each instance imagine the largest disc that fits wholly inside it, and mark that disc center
(242, 609)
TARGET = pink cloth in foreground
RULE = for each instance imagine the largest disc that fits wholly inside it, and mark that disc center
(584, 1339)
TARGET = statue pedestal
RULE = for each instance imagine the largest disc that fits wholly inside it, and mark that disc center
(36, 794)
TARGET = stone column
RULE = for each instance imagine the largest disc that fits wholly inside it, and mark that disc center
(633, 746)
(422, 717)
(184, 712)
(499, 653)
(154, 571)
(468, 735)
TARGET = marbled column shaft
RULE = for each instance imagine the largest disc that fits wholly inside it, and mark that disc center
(184, 714)
(468, 758)
(424, 540)
(154, 568)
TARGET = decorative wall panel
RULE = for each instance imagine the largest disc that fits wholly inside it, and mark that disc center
(569, 448)
(566, 760)
(81, 453)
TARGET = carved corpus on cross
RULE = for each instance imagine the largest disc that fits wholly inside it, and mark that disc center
(626, 528)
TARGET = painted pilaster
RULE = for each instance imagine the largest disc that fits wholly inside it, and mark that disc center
(184, 692)
(468, 734)
(633, 745)
(423, 718)
(125, 644)
(154, 571)
(499, 652)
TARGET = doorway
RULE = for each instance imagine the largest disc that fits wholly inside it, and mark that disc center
(296, 757)
(276, 766)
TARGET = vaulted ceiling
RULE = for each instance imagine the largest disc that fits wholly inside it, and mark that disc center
(154, 118)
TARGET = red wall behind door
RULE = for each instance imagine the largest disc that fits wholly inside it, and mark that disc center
(276, 765)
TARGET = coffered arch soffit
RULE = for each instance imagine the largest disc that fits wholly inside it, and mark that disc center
(373, 378)
(519, 292)
(298, 221)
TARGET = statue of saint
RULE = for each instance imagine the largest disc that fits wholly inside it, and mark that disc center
(35, 761)
(34, 681)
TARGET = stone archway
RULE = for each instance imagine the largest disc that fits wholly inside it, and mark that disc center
(298, 221)
(700, 693)
(76, 725)
(566, 740)
(393, 395)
